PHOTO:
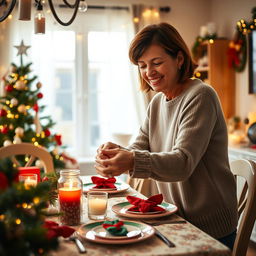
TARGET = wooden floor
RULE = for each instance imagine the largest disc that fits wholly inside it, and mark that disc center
(251, 249)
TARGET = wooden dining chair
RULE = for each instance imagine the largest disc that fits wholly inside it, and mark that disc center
(246, 203)
(31, 151)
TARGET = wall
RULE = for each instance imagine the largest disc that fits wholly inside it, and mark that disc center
(225, 14)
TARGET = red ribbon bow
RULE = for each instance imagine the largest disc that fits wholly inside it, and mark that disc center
(54, 230)
(103, 183)
(148, 205)
(118, 225)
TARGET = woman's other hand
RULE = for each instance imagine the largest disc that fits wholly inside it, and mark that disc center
(115, 161)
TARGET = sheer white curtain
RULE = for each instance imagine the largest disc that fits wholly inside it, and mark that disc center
(90, 87)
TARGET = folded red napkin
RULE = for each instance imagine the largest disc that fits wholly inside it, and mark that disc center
(103, 183)
(148, 205)
(54, 230)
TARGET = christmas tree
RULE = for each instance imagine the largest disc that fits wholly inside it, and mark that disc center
(19, 112)
(24, 229)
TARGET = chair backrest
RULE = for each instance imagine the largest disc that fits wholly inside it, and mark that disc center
(31, 151)
(246, 204)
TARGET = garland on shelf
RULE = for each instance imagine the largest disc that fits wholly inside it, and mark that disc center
(199, 40)
(237, 51)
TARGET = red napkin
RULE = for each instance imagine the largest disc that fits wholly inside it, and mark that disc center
(54, 230)
(103, 183)
(148, 205)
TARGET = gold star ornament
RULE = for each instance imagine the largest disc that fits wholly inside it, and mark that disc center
(22, 49)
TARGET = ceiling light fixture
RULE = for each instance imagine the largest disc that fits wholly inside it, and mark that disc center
(39, 19)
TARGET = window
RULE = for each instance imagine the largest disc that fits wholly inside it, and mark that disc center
(87, 78)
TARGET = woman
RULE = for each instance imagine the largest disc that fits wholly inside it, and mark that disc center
(183, 141)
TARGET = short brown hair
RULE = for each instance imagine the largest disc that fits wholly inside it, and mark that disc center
(166, 36)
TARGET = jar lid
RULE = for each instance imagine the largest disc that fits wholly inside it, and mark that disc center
(70, 172)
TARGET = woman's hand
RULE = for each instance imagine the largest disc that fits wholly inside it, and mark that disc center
(108, 145)
(115, 161)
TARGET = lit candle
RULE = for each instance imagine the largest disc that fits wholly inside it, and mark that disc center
(30, 170)
(70, 205)
(30, 180)
(97, 206)
(39, 19)
(24, 9)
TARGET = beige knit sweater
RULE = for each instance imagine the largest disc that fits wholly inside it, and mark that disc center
(183, 146)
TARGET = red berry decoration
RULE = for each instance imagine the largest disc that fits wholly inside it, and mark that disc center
(35, 107)
(3, 112)
(9, 88)
(47, 132)
(40, 95)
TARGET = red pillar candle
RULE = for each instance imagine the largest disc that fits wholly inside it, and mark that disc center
(70, 205)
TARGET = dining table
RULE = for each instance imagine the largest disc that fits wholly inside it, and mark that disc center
(187, 239)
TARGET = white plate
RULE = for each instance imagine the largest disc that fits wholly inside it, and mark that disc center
(86, 232)
(120, 187)
(122, 210)
(133, 231)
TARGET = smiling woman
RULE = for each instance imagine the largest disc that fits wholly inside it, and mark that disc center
(86, 76)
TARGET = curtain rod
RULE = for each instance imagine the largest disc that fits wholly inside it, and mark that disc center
(101, 7)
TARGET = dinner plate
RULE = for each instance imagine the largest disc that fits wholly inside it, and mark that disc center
(120, 187)
(122, 210)
(142, 213)
(87, 232)
(133, 231)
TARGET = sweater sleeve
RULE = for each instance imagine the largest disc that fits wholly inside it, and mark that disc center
(197, 122)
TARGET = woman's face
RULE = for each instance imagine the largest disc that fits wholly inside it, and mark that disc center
(159, 69)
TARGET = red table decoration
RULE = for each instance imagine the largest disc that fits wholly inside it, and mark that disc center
(30, 170)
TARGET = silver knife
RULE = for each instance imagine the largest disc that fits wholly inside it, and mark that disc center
(164, 238)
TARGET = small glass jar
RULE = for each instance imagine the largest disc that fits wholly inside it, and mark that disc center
(70, 190)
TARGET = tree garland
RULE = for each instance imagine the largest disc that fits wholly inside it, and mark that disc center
(237, 52)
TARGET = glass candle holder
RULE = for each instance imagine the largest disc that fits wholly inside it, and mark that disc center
(29, 179)
(70, 197)
(97, 203)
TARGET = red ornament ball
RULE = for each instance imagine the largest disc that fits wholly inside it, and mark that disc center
(4, 130)
(3, 181)
(3, 112)
(40, 95)
(9, 88)
(45, 178)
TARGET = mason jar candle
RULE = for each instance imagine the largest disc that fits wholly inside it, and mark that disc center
(70, 197)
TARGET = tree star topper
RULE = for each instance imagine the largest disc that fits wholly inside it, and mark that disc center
(22, 49)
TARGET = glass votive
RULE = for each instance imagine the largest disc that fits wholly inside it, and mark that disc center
(97, 203)
(29, 179)
(70, 197)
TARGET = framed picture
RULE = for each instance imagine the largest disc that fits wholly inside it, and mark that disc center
(252, 62)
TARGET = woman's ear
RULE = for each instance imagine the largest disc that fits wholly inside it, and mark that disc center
(180, 59)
